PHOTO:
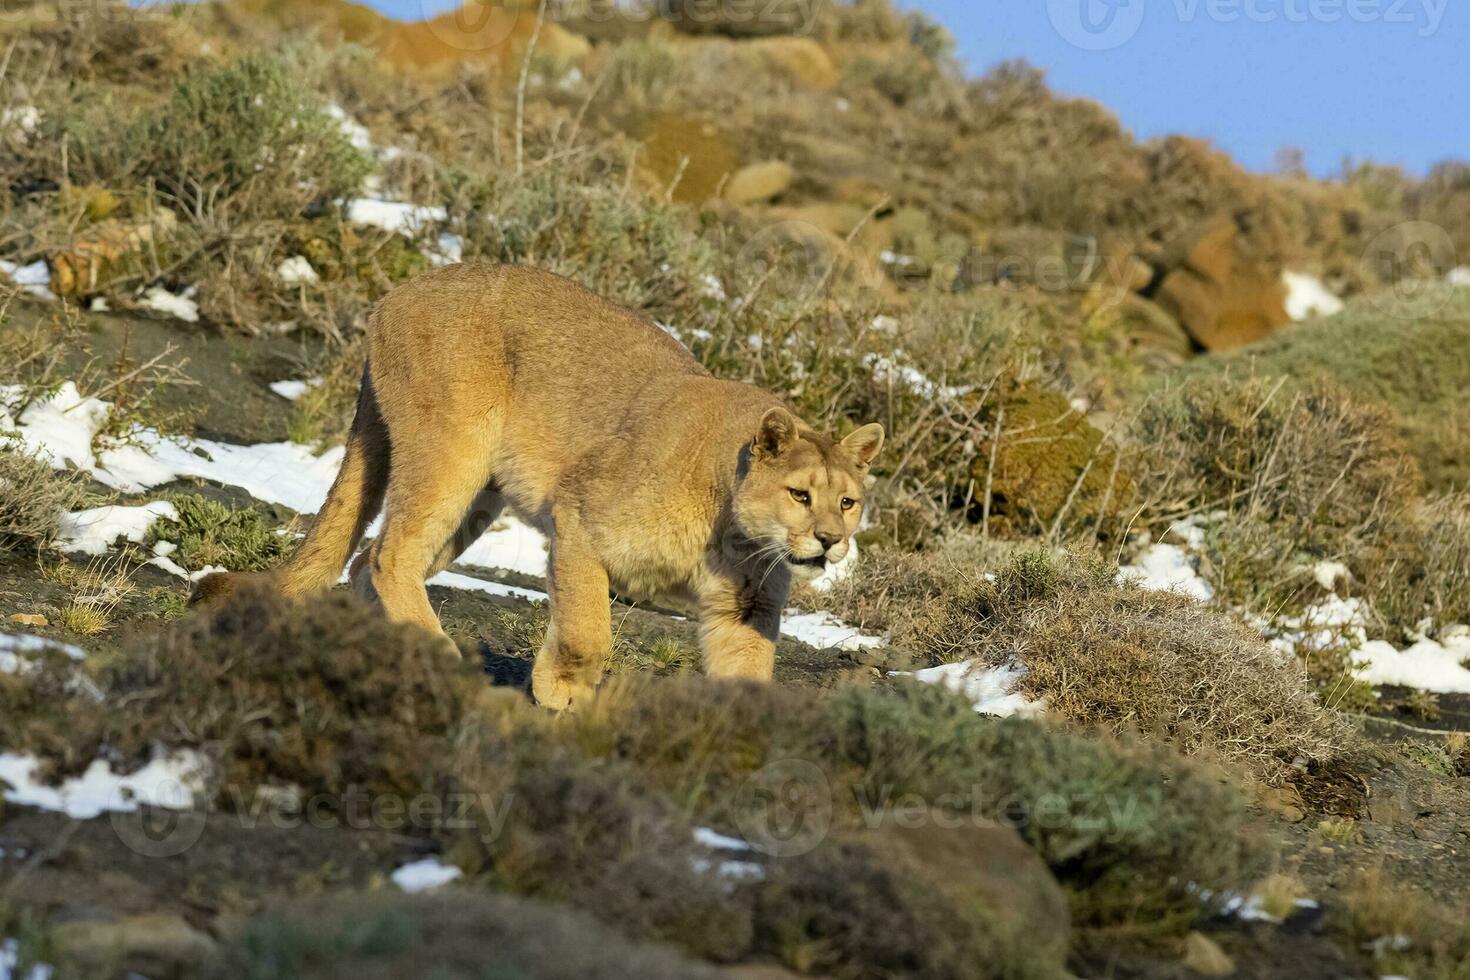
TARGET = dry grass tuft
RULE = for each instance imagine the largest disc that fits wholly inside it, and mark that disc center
(1103, 653)
(1409, 934)
(33, 496)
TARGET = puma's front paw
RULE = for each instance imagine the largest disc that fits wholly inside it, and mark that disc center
(556, 692)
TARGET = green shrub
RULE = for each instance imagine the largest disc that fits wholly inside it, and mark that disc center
(1408, 355)
(250, 125)
(457, 934)
(212, 534)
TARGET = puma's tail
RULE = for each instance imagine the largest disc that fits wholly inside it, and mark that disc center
(355, 499)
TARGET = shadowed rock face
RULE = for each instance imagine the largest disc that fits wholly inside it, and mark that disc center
(763, 19)
(1225, 297)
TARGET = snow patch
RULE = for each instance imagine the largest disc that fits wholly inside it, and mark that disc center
(467, 583)
(293, 390)
(34, 280)
(58, 428)
(13, 645)
(393, 216)
(180, 306)
(509, 545)
(297, 271)
(271, 472)
(992, 690)
(824, 631)
(425, 875)
(10, 960)
(1308, 297)
(21, 119)
(1428, 665)
(357, 134)
(1329, 573)
(716, 841)
(93, 532)
(885, 368)
(1167, 568)
(172, 780)
(448, 250)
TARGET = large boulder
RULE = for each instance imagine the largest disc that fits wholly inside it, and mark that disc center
(758, 183)
(495, 34)
(1223, 295)
(686, 158)
(740, 18)
(983, 866)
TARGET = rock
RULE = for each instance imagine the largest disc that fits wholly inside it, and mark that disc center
(759, 971)
(1387, 810)
(987, 866)
(1154, 337)
(29, 619)
(494, 34)
(759, 182)
(1063, 463)
(104, 253)
(95, 203)
(154, 945)
(865, 192)
(1205, 957)
(763, 19)
(1224, 297)
(689, 156)
(802, 61)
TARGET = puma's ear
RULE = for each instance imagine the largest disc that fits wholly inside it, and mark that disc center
(776, 434)
(863, 445)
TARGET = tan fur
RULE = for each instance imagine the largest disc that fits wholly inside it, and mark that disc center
(495, 386)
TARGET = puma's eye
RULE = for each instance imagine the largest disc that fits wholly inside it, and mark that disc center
(801, 497)
(848, 503)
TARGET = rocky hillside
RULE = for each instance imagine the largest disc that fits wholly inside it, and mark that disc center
(1155, 662)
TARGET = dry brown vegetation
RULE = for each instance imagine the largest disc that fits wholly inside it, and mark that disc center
(601, 805)
(33, 495)
(1104, 654)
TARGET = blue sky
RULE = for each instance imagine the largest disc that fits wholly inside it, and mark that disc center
(1387, 80)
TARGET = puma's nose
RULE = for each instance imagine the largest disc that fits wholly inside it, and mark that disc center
(828, 538)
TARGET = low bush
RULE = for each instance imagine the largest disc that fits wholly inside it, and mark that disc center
(598, 810)
(450, 935)
(33, 496)
(1407, 354)
(1287, 476)
(1102, 653)
(211, 534)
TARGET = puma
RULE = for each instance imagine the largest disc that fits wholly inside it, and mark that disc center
(489, 387)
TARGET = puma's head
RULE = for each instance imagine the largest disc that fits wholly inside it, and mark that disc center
(801, 497)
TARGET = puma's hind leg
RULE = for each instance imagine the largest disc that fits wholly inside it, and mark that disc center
(430, 490)
(579, 639)
(487, 507)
